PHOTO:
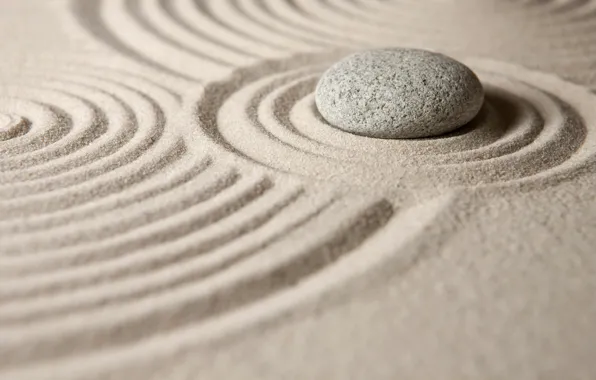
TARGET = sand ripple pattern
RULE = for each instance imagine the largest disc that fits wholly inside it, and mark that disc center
(136, 223)
(121, 241)
(266, 114)
(205, 39)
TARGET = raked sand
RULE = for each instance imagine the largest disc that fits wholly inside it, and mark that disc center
(173, 206)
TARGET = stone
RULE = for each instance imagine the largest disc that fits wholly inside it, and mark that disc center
(398, 93)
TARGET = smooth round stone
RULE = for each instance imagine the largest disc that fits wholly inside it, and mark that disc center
(398, 93)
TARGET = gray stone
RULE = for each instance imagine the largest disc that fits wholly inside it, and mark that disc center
(398, 93)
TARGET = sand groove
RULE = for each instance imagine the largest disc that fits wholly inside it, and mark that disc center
(146, 215)
(12, 126)
(266, 114)
(106, 211)
(222, 35)
(89, 309)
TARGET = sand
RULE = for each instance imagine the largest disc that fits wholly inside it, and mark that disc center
(172, 205)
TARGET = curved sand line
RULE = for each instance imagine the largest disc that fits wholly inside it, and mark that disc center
(205, 39)
(106, 211)
(306, 261)
(12, 126)
(532, 122)
(133, 229)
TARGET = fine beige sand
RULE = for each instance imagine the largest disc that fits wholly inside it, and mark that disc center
(172, 205)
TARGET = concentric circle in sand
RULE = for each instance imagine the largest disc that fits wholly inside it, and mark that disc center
(112, 225)
(168, 191)
(532, 127)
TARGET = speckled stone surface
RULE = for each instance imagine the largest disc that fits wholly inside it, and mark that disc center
(398, 93)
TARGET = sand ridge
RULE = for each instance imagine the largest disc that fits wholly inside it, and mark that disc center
(519, 123)
(174, 201)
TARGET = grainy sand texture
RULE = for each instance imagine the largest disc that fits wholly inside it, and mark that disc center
(173, 206)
